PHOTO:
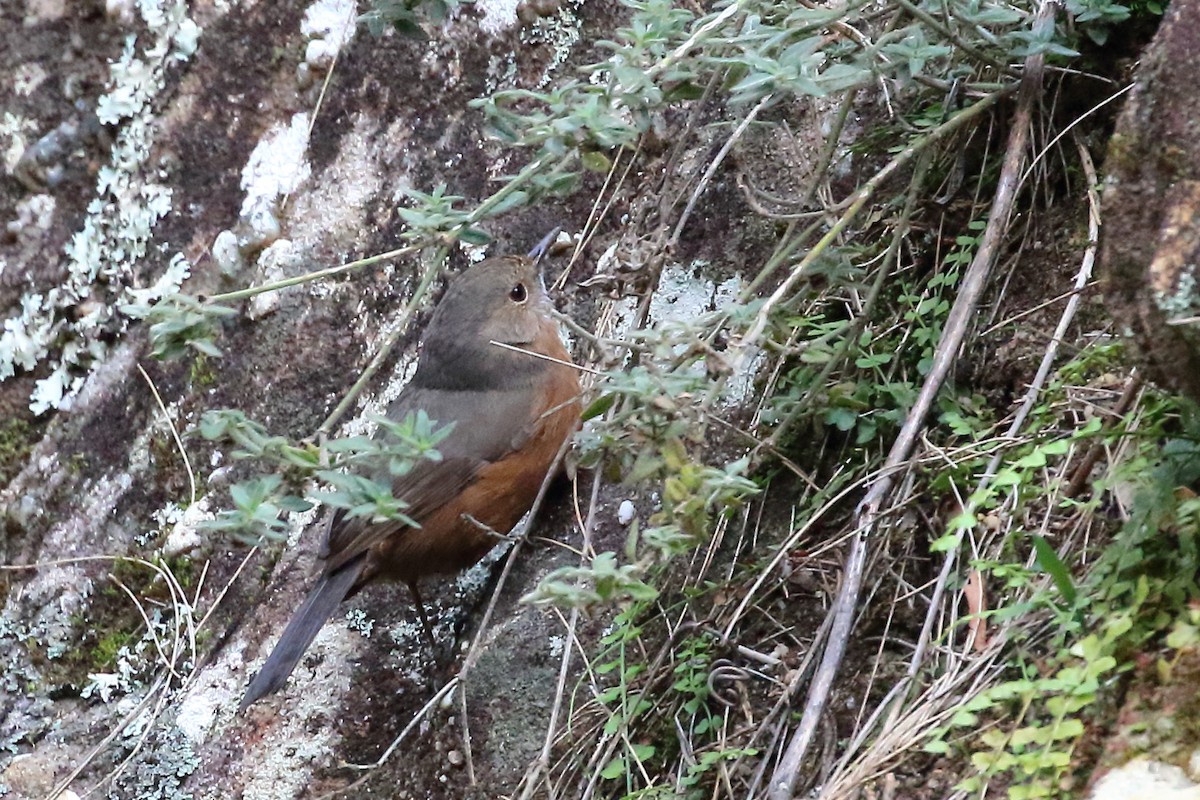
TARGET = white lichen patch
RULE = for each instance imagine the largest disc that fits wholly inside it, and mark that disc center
(25, 337)
(14, 133)
(274, 263)
(357, 620)
(105, 256)
(35, 213)
(681, 295)
(561, 32)
(197, 713)
(278, 164)
(185, 532)
(299, 522)
(498, 15)
(331, 21)
(1144, 778)
(501, 74)
(474, 252)
(27, 77)
(211, 694)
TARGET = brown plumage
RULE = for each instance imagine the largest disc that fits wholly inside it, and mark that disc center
(511, 412)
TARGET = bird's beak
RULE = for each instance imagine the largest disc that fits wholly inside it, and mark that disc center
(539, 251)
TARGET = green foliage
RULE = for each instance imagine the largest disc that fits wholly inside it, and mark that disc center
(841, 359)
(354, 473)
(257, 508)
(1097, 17)
(654, 432)
(1142, 587)
(179, 323)
(434, 215)
(603, 581)
(406, 16)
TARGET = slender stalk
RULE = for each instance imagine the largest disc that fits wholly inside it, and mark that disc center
(321, 274)
(385, 349)
(857, 201)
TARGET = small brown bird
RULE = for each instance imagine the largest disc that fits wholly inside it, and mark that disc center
(511, 413)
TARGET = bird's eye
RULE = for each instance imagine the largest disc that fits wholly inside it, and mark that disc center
(517, 293)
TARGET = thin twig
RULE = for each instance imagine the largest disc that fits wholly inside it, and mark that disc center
(321, 274)
(545, 357)
(187, 464)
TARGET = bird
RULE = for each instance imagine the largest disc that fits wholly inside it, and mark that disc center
(493, 366)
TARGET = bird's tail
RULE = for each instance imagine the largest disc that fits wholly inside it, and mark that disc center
(320, 604)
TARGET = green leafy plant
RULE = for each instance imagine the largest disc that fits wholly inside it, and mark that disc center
(350, 473)
(1141, 587)
(406, 16)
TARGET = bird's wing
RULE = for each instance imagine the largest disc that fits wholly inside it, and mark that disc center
(487, 426)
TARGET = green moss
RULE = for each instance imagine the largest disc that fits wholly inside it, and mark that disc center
(103, 656)
(184, 570)
(201, 374)
(17, 437)
(110, 622)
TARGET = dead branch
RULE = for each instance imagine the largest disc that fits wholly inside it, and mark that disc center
(869, 511)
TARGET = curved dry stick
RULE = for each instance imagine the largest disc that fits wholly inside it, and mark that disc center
(854, 204)
(900, 692)
(869, 510)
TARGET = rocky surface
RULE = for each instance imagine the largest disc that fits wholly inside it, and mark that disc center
(147, 145)
(1152, 203)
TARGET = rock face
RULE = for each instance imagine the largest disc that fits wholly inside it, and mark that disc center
(148, 144)
(1151, 238)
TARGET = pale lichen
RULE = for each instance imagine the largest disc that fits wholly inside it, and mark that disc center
(14, 130)
(561, 32)
(158, 772)
(277, 165)
(105, 256)
(332, 22)
(498, 15)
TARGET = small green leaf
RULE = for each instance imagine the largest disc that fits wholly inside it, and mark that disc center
(473, 236)
(614, 769)
(643, 752)
(1049, 561)
(685, 90)
(595, 161)
(598, 406)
